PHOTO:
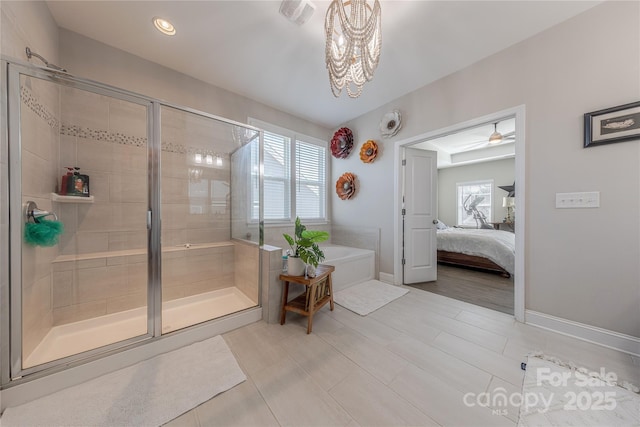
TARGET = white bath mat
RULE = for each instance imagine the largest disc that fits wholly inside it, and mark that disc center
(368, 296)
(149, 393)
(555, 393)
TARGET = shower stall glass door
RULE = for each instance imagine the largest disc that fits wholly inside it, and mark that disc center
(129, 219)
(86, 290)
(208, 271)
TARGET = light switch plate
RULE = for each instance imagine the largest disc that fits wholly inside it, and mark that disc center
(582, 200)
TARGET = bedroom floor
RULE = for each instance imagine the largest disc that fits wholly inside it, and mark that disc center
(476, 287)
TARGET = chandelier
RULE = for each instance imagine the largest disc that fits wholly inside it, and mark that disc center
(354, 37)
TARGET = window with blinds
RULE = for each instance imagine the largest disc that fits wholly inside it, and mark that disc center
(295, 177)
(474, 194)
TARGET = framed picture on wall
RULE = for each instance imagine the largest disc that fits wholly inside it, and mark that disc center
(616, 124)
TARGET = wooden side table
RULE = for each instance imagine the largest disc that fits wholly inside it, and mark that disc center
(319, 291)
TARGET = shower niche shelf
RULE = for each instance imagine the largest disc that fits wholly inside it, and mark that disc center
(71, 199)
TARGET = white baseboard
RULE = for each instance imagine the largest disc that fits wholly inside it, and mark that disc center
(386, 277)
(603, 337)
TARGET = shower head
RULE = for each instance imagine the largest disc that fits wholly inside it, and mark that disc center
(46, 63)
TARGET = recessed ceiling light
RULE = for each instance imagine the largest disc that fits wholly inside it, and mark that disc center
(164, 26)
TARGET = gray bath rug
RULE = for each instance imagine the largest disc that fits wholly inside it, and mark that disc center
(557, 393)
(149, 393)
(368, 296)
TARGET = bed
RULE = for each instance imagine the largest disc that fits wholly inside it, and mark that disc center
(491, 250)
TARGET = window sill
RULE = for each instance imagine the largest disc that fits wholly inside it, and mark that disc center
(292, 224)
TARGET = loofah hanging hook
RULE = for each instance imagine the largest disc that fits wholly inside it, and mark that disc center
(39, 231)
(32, 212)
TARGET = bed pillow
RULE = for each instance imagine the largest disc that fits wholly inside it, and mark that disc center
(441, 225)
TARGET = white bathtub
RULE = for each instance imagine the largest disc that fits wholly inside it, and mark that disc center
(352, 265)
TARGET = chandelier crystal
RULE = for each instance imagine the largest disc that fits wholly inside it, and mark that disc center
(354, 35)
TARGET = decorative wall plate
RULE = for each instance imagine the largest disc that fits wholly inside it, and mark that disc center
(346, 186)
(342, 143)
(369, 151)
(390, 124)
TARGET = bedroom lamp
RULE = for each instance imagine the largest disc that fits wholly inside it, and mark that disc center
(509, 203)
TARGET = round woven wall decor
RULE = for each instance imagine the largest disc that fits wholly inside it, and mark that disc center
(346, 186)
(342, 143)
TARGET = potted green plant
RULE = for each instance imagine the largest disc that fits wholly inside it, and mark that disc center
(305, 249)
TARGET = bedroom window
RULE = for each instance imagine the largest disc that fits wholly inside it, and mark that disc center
(295, 176)
(474, 201)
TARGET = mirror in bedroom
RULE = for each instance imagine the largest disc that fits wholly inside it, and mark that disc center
(476, 204)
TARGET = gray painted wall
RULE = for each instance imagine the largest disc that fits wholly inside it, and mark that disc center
(579, 265)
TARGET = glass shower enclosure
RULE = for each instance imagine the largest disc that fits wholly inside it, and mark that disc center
(152, 199)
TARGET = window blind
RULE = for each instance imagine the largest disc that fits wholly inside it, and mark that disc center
(277, 174)
(310, 180)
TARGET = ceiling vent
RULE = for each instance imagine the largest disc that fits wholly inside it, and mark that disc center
(297, 11)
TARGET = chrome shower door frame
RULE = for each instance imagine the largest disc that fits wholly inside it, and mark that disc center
(11, 370)
(13, 329)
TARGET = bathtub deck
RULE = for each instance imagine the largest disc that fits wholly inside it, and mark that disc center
(73, 338)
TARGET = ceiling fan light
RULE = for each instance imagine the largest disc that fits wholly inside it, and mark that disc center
(495, 138)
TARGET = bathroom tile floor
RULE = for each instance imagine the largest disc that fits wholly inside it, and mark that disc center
(409, 363)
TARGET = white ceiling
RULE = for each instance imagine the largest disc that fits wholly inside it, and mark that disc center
(247, 47)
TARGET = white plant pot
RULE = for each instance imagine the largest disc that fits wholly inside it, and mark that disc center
(295, 266)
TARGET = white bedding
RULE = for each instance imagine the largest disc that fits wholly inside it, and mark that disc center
(498, 246)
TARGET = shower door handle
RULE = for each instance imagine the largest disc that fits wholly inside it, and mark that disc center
(148, 220)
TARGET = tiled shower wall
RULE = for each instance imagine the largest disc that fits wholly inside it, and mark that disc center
(195, 206)
(40, 146)
(196, 270)
(247, 268)
(106, 138)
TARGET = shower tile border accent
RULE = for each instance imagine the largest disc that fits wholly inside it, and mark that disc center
(102, 135)
(135, 141)
(40, 110)
(32, 102)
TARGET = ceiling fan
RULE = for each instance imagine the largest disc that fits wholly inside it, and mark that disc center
(495, 138)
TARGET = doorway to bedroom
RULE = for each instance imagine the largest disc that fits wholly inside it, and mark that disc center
(477, 217)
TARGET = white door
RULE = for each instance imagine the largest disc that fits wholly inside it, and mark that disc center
(420, 214)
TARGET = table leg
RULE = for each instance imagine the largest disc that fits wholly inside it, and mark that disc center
(285, 296)
(330, 292)
(312, 303)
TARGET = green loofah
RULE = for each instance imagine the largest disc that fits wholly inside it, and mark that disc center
(43, 233)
